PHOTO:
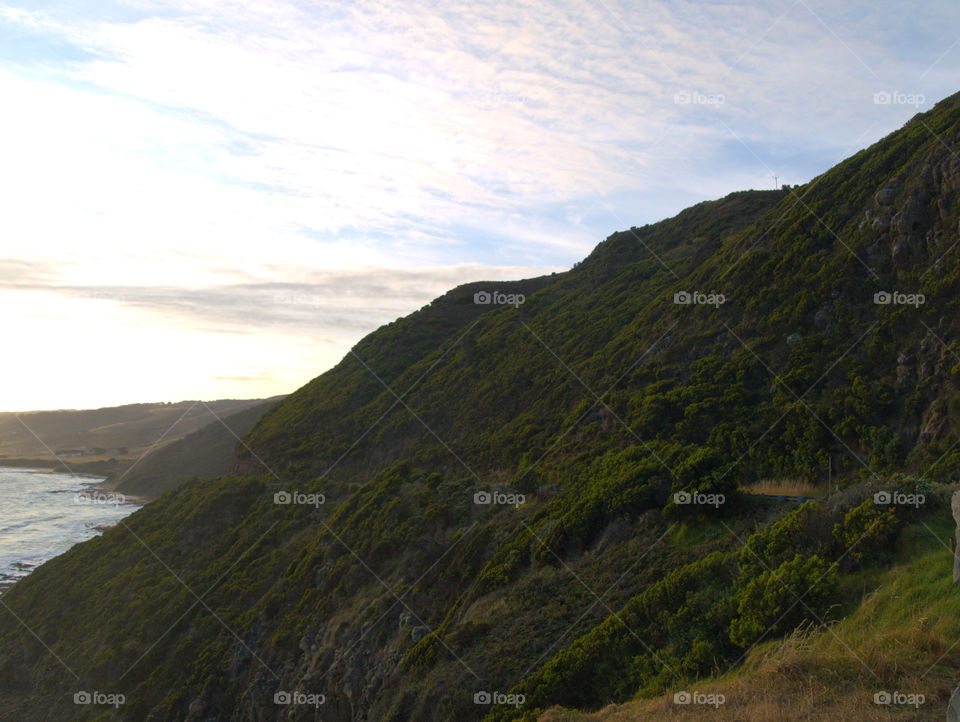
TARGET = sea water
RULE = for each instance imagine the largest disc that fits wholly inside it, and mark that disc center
(43, 514)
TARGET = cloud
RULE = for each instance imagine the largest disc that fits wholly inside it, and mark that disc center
(314, 303)
(255, 378)
(190, 164)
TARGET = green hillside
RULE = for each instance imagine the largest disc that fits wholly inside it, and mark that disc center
(590, 414)
(207, 452)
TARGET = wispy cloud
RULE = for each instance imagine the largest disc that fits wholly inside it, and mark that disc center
(313, 303)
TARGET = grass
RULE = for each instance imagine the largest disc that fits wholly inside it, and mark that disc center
(786, 487)
(903, 636)
(689, 536)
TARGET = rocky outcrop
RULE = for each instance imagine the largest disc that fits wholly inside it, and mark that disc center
(955, 503)
(953, 709)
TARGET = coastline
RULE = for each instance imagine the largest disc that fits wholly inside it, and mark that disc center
(60, 523)
(95, 480)
(98, 469)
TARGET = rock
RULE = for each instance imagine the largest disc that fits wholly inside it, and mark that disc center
(308, 642)
(405, 619)
(953, 709)
(911, 216)
(955, 504)
(197, 708)
(418, 633)
(901, 249)
(886, 195)
(823, 319)
(944, 209)
(880, 223)
(794, 338)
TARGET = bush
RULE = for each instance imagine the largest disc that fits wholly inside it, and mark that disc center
(777, 602)
(866, 532)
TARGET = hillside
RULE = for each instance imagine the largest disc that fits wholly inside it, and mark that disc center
(540, 503)
(121, 432)
(208, 452)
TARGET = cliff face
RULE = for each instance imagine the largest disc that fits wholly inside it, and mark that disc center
(483, 496)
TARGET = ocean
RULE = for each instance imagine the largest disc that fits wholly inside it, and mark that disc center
(44, 514)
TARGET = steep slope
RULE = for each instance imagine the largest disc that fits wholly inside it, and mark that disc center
(208, 452)
(398, 593)
(499, 379)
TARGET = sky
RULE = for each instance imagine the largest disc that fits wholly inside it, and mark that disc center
(204, 200)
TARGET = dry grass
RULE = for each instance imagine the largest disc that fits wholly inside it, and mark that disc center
(786, 487)
(792, 686)
(903, 637)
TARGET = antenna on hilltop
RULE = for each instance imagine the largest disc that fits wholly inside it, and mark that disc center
(776, 182)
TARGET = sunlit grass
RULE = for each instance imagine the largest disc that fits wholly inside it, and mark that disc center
(904, 635)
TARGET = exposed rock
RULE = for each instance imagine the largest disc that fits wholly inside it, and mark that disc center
(196, 709)
(934, 428)
(901, 250)
(904, 368)
(886, 195)
(418, 633)
(953, 709)
(955, 504)
(880, 223)
(794, 338)
(910, 219)
(946, 175)
(944, 209)
(823, 318)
